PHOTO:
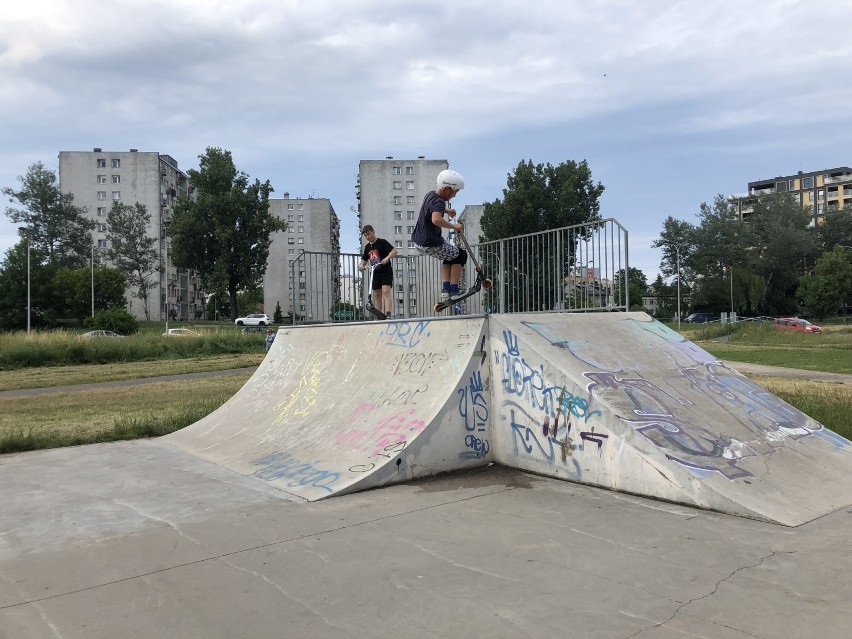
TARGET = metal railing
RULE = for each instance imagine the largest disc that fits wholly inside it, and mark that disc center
(575, 268)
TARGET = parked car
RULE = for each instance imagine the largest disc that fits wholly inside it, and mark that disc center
(91, 334)
(795, 324)
(255, 319)
(700, 318)
(253, 329)
(180, 332)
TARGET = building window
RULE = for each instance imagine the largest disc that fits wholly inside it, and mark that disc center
(290, 229)
(101, 211)
(300, 218)
(409, 185)
(290, 218)
(116, 195)
(397, 215)
(409, 170)
(116, 179)
(102, 179)
(101, 163)
(397, 185)
(116, 164)
(396, 170)
(101, 227)
(290, 240)
(398, 244)
(821, 195)
(102, 243)
(397, 199)
(410, 214)
(808, 182)
(791, 184)
(397, 230)
(300, 206)
(409, 199)
(410, 244)
(289, 207)
(291, 252)
(301, 229)
(411, 229)
(820, 209)
(101, 195)
(301, 240)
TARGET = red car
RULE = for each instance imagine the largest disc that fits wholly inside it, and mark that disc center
(795, 324)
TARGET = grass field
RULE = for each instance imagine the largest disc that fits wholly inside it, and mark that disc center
(154, 409)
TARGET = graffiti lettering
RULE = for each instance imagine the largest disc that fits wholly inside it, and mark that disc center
(284, 465)
(406, 334)
(418, 363)
(473, 403)
(478, 445)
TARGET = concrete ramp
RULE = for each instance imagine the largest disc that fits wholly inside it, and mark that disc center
(339, 408)
(642, 410)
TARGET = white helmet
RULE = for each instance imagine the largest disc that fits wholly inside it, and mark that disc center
(450, 178)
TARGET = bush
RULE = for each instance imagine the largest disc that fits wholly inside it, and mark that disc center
(113, 319)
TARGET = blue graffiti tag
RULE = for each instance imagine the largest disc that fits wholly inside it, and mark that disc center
(280, 465)
(406, 334)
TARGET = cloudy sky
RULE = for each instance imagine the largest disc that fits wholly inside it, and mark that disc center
(670, 102)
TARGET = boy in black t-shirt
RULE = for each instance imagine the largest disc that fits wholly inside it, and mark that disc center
(427, 233)
(378, 253)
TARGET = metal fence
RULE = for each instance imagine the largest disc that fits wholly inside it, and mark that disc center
(575, 268)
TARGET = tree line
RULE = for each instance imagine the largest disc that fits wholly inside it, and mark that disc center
(223, 234)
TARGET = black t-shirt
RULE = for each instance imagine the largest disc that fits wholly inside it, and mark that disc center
(425, 232)
(376, 252)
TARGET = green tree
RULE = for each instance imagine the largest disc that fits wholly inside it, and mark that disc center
(829, 287)
(782, 247)
(678, 240)
(540, 197)
(637, 284)
(57, 229)
(113, 319)
(74, 290)
(666, 296)
(132, 250)
(225, 232)
(278, 317)
(836, 229)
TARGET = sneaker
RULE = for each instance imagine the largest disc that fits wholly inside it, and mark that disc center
(445, 296)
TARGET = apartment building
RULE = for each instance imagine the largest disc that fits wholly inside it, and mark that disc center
(97, 178)
(303, 272)
(389, 194)
(823, 191)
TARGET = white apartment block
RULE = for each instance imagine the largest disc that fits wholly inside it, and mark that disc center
(303, 265)
(98, 178)
(390, 193)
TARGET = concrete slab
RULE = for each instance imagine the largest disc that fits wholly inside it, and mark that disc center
(143, 540)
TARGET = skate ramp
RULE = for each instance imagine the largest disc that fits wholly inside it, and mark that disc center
(339, 408)
(647, 412)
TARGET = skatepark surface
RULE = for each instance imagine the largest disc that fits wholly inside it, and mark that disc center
(139, 539)
(246, 524)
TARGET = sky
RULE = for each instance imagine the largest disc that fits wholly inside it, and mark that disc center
(670, 102)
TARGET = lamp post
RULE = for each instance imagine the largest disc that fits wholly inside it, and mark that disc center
(731, 271)
(29, 298)
(526, 287)
(676, 247)
(93, 279)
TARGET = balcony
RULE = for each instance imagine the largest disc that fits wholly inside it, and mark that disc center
(837, 179)
(766, 191)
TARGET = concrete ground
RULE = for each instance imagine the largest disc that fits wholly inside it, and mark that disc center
(138, 539)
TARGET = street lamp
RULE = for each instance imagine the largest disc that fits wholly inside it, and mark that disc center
(676, 247)
(25, 231)
(526, 287)
(93, 279)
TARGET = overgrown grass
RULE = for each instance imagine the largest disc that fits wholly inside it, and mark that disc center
(111, 414)
(66, 348)
(830, 351)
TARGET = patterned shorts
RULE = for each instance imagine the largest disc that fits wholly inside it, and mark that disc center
(445, 251)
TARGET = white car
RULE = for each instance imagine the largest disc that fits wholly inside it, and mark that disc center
(180, 332)
(255, 319)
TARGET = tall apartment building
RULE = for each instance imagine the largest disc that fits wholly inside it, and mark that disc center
(824, 191)
(303, 262)
(98, 178)
(389, 194)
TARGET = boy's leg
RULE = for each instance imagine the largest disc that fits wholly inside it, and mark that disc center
(387, 302)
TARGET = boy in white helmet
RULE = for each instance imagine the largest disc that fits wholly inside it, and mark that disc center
(427, 232)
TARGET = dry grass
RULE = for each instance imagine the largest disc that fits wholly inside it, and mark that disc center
(85, 415)
(47, 376)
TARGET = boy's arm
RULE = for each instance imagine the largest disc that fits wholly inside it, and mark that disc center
(438, 220)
